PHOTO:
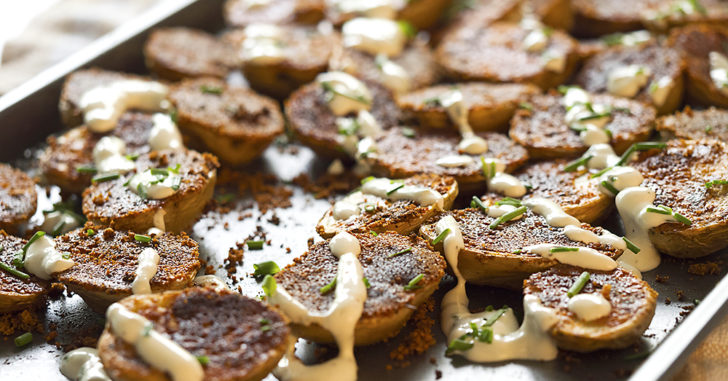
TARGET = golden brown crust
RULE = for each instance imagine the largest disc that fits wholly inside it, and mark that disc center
(402, 216)
(239, 14)
(678, 174)
(596, 17)
(17, 294)
(494, 54)
(498, 256)
(662, 62)
(74, 149)
(490, 106)
(110, 203)
(388, 303)
(18, 198)
(106, 262)
(557, 14)
(401, 156)
(223, 326)
(235, 124)
(692, 124)
(545, 134)
(314, 124)
(633, 304)
(178, 53)
(695, 44)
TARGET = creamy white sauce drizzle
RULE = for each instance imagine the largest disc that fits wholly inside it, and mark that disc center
(585, 257)
(554, 215)
(554, 60)
(58, 218)
(589, 307)
(538, 37)
(603, 156)
(501, 182)
(719, 71)
(164, 133)
(345, 93)
(102, 106)
(153, 186)
(335, 168)
(394, 76)
(352, 130)
(424, 196)
(660, 89)
(454, 161)
(626, 81)
(255, 4)
(210, 281)
(147, 267)
(42, 259)
(374, 36)
(340, 319)
(263, 44)
(583, 115)
(457, 111)
(384, 9)
(109, 156)
(83, 364)
(156, 349)
(620, 178)
(635, 38)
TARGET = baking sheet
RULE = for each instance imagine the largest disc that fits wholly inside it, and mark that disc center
(22, 127)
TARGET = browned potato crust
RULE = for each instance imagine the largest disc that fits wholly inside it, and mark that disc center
(545, 134)
(401, 156)
(17, 294)
(633, 306)
(234, 123)
(711, 123)
(237, 12)
(554, 13)
(18, 198)
(494, 54)
(423, 14)
(110, 203)
(402, 216)
(178, 53)
(497, 257)
(74, 149)
(223, 326)
(663, 62)
(695, 43)
(106, 263)
(664, 16)
(597, 17)
(388, 305)
(678, 175)
(490, 106)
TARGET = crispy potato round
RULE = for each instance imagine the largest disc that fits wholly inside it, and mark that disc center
(633, 304)
(223, 326)
(111, 203)
(679, 175)
(711, 123)
(178, 53)
(235, 124)
(497, 257)
(545, 134)
(388, 305)
(106, 262)
(240, 13)
(558, 14)
(18, 198)
(17, 294)
(596, 17)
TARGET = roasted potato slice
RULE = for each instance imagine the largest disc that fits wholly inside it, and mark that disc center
(554, 13)
(106, 262)
(595, 17)
(388, 304)
(401, 216)
(240, 13)
(233, 123)
(18, 198)
(17, 293)
(692, 124)
(497, 257)
(112, 203)
(632, 302)
(222, 326)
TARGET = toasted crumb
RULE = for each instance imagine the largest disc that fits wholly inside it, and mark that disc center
(22, 321)
(662, 278)
(327, 185)
(266, 189)
(706, 268)
(419, 339)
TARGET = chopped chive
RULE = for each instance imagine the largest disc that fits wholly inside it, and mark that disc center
(413, 284)
(372, 232)
(14, 272)
(493, 318)
(367, 179)
(104, 178)
(712, 183)
(147, 329)
(610, 187)
(407, 250)
(32, 240)
(204, 360)
(141, 191)
(681, 219)
(173, 114)
(708, 128)
(517, 251)
(66, 255)
(159, 171)
(562, 249)
(408, 132)
(603, 171)
(85, 169)
(328, 288)
(477, 203)
(642, 146)
(58, 228)
(631, 246)
(458, 345)
(264, 321)
(564, 89)
(577, 127)
(407, 28)
(19, 260)
(142, 238)
(509, 201)
(265, 268)
(661, 209)
(132, 156)
(255, 244)
(525, 106)
(609, 133)
(217, 90)
(432, 102)
(23, 339)
(485, 335)
(574, 165)
(175, 169)
(697, 301)
(398, 187)
(176, 182)
(507, 217)
(366, 282)
(441, 236)
(331, 91)
(269, 285)
(596, 116)
(369, 207)
(579, 284)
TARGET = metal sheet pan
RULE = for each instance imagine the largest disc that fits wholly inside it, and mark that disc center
(29, 113)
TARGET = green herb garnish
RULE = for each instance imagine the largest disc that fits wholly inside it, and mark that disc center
(265, 268)
(574, 165)
(579, 284)
(631, 246)
(14, 272)
(441, 236)
(610, 187)
(713, 183)
(255, 244)
(269, 285)
(366, 282)
(23, 339)
(207, 89)
(328, 288)
(204, 360)
(396, 188)
(142, 238)
(408, 132)
(477, 203)
(562, 249)
(104, 178)
(507, 217)
(407, 250)
(413, 284)
(85, 169)
(509, 201)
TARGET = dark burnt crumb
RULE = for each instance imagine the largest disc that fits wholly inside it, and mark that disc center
(288, 250)
(438, 374)
(274, 219)
(21, 321)
(388, 367)
(668, 301)
(327, 185)
(56, 290)
(419, 339)
(266, 189)
(433, 361)
(81, 341)
(234, 258)
(623, 373)
(209, 270)
(226, 226)
(705, 268)
(310, 242)
(680, 295)
(662, 278)
(686, 310)
(570, 357)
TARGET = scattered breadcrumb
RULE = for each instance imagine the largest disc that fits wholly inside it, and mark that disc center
(22, 321)
(705, 268)
(419, 339)
(327, 185)
(267, 190)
